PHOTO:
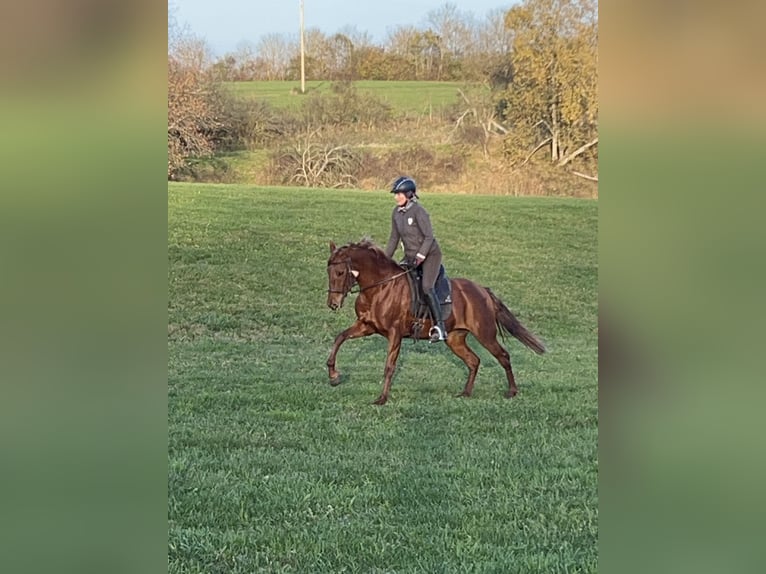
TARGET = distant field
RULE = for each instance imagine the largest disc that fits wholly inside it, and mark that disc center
(406, 97)
(272, 470)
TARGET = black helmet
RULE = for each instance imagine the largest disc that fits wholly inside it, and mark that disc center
(405, 185)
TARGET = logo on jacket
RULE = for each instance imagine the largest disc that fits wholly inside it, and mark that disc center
(409, 220)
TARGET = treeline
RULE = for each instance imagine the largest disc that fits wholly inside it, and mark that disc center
(530, 98)
(454, 46)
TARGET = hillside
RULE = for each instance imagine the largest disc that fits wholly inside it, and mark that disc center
(364, 134)
(272, 469)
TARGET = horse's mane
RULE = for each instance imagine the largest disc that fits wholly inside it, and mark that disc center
(366, 244)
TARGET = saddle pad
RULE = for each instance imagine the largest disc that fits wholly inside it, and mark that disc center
(443, 288)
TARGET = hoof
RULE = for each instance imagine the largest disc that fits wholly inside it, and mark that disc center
(511, 393)
(380, 401)
(335, 382)
(463, 395)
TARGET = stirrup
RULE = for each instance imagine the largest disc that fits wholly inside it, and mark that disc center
(436, 334)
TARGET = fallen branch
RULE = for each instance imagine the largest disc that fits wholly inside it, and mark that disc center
(498, 126)
(577, 152)
(589, 177)
(541, 144)
(461, 118)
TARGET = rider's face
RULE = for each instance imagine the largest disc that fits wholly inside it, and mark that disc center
(400, 198)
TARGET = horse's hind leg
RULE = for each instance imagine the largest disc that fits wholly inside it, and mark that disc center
(490, 342)
(457, 344)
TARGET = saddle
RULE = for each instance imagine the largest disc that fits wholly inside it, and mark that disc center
(419, 308)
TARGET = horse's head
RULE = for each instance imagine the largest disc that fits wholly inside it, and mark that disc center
(364, 263)
(340, 276)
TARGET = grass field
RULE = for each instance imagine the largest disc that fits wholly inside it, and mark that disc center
(405, 97)
(272, 470)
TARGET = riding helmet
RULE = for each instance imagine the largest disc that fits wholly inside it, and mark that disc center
(405, 185)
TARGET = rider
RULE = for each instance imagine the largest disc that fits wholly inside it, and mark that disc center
(411, 225)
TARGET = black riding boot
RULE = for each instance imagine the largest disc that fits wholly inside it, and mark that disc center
(438, 332)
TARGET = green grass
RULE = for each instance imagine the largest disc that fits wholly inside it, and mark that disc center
(405, 97)
(273, 470)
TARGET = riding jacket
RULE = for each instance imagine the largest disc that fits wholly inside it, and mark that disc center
(411, 225)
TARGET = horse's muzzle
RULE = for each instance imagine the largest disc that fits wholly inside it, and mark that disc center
(335, 299)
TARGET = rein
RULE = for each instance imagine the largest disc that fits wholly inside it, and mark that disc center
(347, 289)
(386, 280)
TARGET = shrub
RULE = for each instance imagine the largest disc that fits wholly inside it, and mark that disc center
(312, 162)
(345, 106)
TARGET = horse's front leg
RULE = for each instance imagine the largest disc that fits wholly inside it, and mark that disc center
(358, 329)
(394, 345)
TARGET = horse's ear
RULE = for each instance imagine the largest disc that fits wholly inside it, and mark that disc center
(332, 246)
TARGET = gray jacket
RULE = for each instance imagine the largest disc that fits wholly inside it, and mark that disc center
(411, 225)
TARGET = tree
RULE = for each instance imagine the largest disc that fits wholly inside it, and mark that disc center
(358, 39)
(403, 46)
(341, 57)
(453, 29)
(318, 54)
(492, 36)
(195, 108)
(372, 63)
(430, 55)
(488, 56)
(274, 51)
(551, 102)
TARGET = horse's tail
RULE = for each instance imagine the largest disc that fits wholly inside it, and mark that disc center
(507, 322)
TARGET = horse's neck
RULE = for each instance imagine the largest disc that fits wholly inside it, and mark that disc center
(370, 273)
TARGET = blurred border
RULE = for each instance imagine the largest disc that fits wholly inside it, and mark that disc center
(682, 146)
(83, 221)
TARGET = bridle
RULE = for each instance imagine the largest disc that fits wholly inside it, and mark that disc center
(351, 280)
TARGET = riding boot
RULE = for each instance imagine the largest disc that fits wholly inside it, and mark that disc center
(438, 332)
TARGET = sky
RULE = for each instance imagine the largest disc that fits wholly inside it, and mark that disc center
(225, 24)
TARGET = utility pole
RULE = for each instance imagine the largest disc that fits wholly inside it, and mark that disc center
(303, 66)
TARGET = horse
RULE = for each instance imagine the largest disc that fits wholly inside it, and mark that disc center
(383, 307)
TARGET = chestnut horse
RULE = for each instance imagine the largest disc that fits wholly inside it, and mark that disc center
(384, 307)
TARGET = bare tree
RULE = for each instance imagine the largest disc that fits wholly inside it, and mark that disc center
(453, 28)
(275, 51)
(318, 54)
(311, 162)
(401, 40)
(487, 58)
(341, 57)
(491, 35)
(358, 39)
